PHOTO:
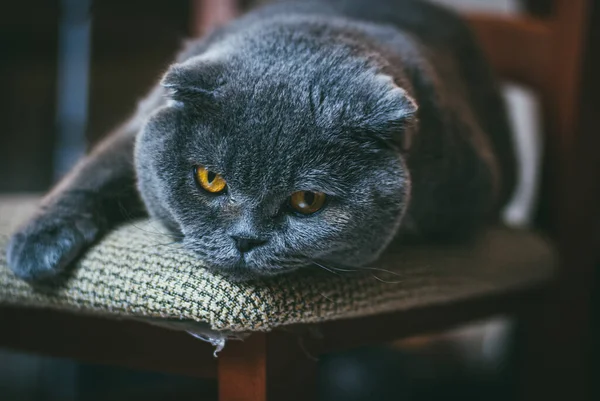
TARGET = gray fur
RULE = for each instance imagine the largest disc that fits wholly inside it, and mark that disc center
(391, 111)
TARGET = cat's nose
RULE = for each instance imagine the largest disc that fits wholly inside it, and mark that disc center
(246, 244)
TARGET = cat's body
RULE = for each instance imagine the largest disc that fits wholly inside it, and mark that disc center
(386, 107)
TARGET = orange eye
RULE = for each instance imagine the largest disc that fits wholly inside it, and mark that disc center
(209, 181)
(307, 202)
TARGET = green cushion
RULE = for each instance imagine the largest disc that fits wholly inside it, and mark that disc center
(138, 272)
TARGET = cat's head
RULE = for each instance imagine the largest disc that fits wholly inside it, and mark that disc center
(267, 168)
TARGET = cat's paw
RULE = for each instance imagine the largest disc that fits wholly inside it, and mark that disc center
(48, 244)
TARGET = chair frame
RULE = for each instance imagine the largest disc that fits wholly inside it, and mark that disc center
(545, 54)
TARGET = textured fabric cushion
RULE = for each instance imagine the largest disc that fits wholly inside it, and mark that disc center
(136, 271)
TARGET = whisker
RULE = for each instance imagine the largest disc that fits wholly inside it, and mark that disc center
(385, 281)
(130, 218)
(339, 269)
(381, 270)
(170, 244)
(170, 235)
(358, 269)
(325, 268)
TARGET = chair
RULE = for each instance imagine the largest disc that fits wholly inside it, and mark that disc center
(275, 361)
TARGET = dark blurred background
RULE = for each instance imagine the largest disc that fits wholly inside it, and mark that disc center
(71, 70)
(129, 46)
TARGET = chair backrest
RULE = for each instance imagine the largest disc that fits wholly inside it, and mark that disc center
(544, 54)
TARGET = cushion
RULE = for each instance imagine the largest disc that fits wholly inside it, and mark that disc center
(138, 272)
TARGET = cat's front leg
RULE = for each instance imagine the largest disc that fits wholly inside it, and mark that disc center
(54, 237)
(99, 193)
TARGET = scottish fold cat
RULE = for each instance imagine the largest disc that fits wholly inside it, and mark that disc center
(305, 132)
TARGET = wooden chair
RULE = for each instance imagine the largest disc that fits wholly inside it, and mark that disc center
(544, 54)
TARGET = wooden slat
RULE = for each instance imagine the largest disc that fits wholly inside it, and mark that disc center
(573, 133)
(562, 108)
(105, 341)
(569, 29)
(349, 333)
(518, 48)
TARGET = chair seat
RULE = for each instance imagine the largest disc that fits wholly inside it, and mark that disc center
(138, 272)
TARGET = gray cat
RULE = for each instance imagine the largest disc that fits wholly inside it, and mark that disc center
(302, 133)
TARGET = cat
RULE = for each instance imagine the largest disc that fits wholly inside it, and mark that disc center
(302, 133)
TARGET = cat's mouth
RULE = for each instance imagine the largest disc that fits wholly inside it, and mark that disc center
(248, 266)
(242, 272)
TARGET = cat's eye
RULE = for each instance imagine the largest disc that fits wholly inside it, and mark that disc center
(307, 202)
(209, 181)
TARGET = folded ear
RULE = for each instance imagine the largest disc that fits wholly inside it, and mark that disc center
(195, 80)
(393, 112)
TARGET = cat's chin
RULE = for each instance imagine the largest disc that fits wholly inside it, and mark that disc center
(242, 274)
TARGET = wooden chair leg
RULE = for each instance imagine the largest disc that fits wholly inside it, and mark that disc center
(271, 367)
